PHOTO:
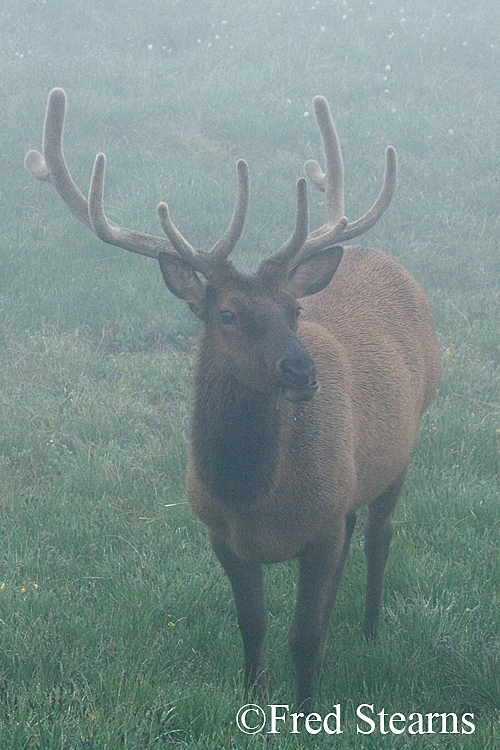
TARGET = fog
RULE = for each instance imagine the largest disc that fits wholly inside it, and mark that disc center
(96, 354)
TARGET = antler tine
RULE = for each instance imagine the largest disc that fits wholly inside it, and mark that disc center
(295, 242)
(207, 262)
(193, 257)
(52, 165)
(108, 231)
(362, 225)
(52, 168)
(224, 247)
(332, 180)
(337, 227)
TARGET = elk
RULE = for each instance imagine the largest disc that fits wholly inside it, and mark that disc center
(312, 375)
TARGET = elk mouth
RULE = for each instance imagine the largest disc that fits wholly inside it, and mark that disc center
(302, 393)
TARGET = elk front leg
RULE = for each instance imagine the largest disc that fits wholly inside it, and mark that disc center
(248, 593)
(320, 572)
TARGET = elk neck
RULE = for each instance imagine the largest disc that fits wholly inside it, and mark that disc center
(235, 437)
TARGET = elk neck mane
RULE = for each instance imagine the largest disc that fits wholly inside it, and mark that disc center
(235, 437)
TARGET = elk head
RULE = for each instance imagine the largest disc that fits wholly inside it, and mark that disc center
(251, 319)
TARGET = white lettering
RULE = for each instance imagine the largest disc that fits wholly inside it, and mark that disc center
(419, 723)
(430, 729)
(382, 715)
(336, 714)
(275, 717)
(444, 725)
(469, 724)
(398, 718)
(252, 719)
(363, 717)
(310, 718)
(295, 722)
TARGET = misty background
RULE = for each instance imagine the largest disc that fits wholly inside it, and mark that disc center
(116, 625)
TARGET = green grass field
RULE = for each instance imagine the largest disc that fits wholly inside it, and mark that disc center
(117, 626)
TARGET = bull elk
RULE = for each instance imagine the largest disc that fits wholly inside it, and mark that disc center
(312, 375)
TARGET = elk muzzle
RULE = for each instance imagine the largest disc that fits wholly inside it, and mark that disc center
(297, 374)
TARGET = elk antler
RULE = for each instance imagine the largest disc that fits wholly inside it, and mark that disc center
(52, 167)
(205, 262)
(337, 228)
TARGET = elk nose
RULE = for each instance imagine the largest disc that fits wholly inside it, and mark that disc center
(298, 371)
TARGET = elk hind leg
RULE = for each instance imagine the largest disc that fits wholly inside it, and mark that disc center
(350, 523)
(378, 533)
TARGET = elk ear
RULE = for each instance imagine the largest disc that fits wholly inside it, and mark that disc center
(312, 274)
(182, 281)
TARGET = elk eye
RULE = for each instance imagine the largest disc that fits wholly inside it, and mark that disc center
(228, 318)
(298, 311)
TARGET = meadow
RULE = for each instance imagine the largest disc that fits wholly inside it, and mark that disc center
(117, 626)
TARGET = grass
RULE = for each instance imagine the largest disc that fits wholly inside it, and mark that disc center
(117, 628)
